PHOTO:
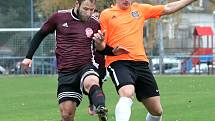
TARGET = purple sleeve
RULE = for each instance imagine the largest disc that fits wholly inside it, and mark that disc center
(50, 25)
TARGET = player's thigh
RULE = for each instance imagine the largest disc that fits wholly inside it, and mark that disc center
(89, 76)
(145, 85)
(147, 90)
(69, 87)
(121, 75)
(69, 92)
(127, 91)
(89, 81)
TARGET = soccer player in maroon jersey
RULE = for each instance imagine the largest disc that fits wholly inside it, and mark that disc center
(77, 69)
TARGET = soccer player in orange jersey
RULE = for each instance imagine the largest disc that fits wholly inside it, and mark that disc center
(123, 25)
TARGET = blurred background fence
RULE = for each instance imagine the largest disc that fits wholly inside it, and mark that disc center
(13, 51)
(44, 65)
(197, 60)
(176, 44)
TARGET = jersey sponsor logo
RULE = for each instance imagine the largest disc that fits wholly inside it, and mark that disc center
(89, 32)
(135, 14)
(65, 25)
(113, 17)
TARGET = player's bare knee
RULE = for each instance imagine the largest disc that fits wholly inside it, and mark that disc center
(67, 109)
(89, 81)
(67, 116)
(127, 91)
(157, 112)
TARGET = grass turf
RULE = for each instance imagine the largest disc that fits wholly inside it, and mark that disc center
(33, 98)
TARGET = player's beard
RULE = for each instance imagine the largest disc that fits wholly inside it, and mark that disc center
(81, 16)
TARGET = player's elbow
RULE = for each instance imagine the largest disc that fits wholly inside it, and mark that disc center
(168, 10)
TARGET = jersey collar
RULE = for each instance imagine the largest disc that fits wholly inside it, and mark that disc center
(74, 16)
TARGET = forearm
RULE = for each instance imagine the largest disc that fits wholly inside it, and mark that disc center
(37, 39)
(175, 6)
(100, 45)
(106, 51)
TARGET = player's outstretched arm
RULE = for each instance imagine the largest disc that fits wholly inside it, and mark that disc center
(176, 6)
(37, 39)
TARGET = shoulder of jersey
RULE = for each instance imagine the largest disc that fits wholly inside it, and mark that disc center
(136, 5)
(107, 10)
(64, 11)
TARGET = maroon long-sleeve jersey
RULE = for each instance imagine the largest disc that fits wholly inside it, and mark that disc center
(73, 39)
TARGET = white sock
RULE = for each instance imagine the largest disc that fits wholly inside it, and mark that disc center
(123, 109)
(150, 117)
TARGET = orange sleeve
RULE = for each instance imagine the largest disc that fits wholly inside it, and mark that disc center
(150, 11)
(104, 23)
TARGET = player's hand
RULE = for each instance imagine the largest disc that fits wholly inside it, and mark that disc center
(26, 64)
(119, 50)
(99, 40)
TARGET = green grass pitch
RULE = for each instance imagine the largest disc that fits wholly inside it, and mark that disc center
(33, 98)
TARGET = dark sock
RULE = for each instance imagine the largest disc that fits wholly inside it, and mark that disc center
(97, 96)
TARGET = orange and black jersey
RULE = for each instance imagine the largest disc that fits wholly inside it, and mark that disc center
(125, 28)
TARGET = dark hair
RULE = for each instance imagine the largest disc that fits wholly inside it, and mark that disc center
(80, 1)
(96, 10)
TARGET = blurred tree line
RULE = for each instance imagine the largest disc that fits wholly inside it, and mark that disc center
(17, 14)
(14, 14)
(46, 7)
